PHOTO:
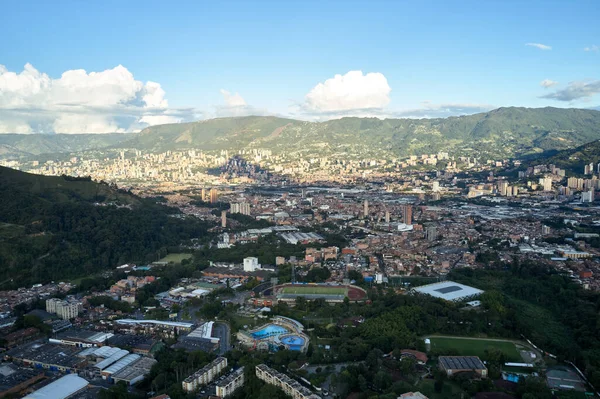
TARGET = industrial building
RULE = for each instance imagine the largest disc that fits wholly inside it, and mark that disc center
(14, 379)
(48, 356)
(119, 365)
(63, 388)
(134, 372)
(205, 375)
(81, 338)
(140, 344)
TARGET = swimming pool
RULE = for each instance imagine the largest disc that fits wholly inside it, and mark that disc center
(270, 330)
(293, 342)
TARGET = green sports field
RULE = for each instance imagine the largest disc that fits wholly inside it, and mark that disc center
(312, 290)
(176, 258)
(475, 347)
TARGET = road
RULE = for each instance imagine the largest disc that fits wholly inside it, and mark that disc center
(222, 331)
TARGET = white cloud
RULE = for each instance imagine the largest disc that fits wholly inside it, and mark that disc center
(539, 45)
(592, 48)
(235, 105)
(233, 100)
(546, 83)
(81, 102)
(578, 90)
(350, 92)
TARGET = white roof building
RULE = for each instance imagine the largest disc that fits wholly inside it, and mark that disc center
(62, 388)
(449, 290)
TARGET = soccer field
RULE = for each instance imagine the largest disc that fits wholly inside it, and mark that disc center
(475, 347)
(310, 290)
(175, 258)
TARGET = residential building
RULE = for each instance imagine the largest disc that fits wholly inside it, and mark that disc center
(288, 385)
(407, 214)
(64, 309)
(205, 375)
(233, 381)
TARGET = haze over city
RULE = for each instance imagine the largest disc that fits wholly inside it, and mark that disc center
(300, 199)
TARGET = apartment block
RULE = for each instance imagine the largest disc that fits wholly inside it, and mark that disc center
(230, 383)
(205, 375)
(64, 309)
(288, 385)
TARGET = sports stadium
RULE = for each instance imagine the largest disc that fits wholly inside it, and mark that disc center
(331, 293)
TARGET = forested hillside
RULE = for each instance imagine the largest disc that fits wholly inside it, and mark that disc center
(54, 228)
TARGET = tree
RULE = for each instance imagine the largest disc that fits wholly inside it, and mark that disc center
(362, 383)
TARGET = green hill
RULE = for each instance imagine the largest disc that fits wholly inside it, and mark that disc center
(54, 228)
(572, 160)
(26, 145)
(501, 132)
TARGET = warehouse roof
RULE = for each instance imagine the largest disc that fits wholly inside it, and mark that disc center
(121, 353)
(60, 389)
(121, 364)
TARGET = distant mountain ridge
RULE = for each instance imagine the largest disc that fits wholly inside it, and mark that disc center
(24, 145)
(503, 132)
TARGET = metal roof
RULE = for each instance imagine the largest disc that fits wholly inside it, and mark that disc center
(449, 290)
(461, 363)
(156, 322)
(121, 364)
(60, 389)
(119, 354)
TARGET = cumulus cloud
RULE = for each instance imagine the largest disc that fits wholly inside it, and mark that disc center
(539, 45)
(233, 100)
(81, 102)
(591, 48)
(580, 90)
(353, 91)
(235, 105)
(546, 83)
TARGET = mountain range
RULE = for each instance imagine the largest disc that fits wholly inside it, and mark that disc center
(504, 132)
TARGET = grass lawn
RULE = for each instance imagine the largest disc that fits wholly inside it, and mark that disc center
(175, 258)
(315, 290)
(475, 347)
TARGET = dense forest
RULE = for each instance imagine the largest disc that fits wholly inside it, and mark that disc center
(54, 228)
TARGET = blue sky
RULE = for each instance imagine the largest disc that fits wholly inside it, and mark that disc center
(435, 57)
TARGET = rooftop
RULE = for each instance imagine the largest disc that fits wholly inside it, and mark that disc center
(230, 377)
(155, 322)
(121, 364)
(60, 389)
(461, 363)
(449, 290)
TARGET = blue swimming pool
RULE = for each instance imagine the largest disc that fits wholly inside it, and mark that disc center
(293, 342)
(270, 330)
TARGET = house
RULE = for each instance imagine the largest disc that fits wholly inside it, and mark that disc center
(420, 357)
